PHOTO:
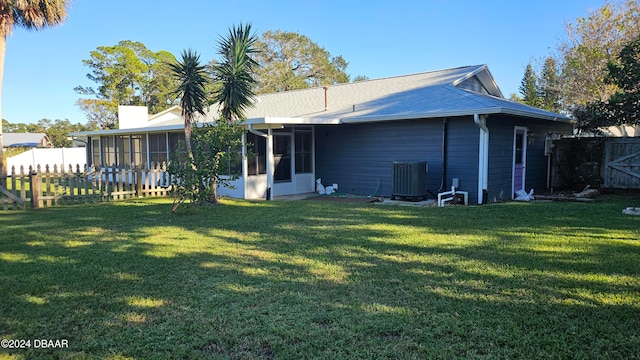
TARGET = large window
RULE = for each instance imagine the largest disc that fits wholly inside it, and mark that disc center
(108, 150)
(158, 148)
(303, 151)
(174, 140)
(257, 154)
(123, 146)
(139, 149)
(95, 152)
(282, 157)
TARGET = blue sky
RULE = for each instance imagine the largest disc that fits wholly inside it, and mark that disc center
(377, 38)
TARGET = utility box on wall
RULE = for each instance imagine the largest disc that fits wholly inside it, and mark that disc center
(409, 180)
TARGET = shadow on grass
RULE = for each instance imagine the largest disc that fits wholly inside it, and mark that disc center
(306, 279)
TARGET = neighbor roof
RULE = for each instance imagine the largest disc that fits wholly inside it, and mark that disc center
(25, 140)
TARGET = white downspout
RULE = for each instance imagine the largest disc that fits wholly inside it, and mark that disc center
(270, 161)
(245, 165)
(483, 156)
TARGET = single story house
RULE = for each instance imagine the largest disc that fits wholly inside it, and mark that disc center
(26, 140)
(456, 120)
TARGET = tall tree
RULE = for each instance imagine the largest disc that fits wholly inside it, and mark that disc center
(33, 14)
(126, 74)
(291, 61)
(549, 85)
(192, 79)
(591, 43)
(197, 176)
(623, 106)
(235, 72)
(529, 87)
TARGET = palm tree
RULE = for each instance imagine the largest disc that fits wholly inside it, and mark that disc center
(192, 79)
(30, 14)
(235, 72)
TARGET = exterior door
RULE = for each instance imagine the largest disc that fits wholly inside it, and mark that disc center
(519, 158)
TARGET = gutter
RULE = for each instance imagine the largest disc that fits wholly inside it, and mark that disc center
(254, 131)
(483, 157)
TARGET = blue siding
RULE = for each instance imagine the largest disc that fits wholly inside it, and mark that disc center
(501, 132)
(359, 157)
(500, 159)
(462, 155)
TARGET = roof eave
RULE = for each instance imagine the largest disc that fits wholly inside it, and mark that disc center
(129, 131)
(433, 114)
(454, 113)
(550, 117)
(293, 121)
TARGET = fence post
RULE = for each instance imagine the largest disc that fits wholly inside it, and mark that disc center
(36, 189)
(139, 181)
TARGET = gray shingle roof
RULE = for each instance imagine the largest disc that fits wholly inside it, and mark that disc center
(430, 94)
(25, 140)
(459, 91)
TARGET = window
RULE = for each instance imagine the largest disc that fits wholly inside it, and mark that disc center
(95, 152)
(124, 150)
(108, 150)
(158, 148)
(174, 141)
(257, 154)
(519, 147)
(139, 149)
(303, 152)
(282, 157)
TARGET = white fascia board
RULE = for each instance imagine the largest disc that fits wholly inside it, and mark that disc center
(434, 114)
(454, 113)
(129, 131)
(558, 117)
(292, 121)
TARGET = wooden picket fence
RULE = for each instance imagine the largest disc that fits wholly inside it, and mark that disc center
(55, 186)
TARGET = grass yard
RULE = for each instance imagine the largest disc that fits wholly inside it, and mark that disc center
(309, 279)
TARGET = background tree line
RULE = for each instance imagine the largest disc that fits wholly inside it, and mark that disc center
(130, 74)
(594, 73)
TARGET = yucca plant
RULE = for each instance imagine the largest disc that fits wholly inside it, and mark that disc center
(235, 72)
(192, 79)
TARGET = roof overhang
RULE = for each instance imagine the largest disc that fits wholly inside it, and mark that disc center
(264, 122)
(455, 113)
(142, 130)
(278, 122)
(293, 121)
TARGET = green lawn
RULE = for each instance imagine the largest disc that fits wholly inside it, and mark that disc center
(309, 279)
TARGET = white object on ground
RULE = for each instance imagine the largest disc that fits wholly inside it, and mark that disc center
(632, 210)
(319, 188)
(521, 195)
